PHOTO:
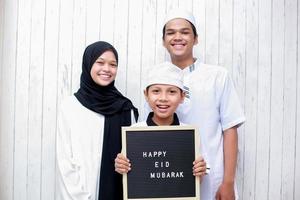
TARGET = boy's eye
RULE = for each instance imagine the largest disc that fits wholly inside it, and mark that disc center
(155, 91)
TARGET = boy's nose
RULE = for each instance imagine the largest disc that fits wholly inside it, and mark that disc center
(163, 97)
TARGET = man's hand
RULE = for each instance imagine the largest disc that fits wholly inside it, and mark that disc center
(225, 192)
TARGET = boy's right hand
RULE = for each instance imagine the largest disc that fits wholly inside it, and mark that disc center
(122, 164)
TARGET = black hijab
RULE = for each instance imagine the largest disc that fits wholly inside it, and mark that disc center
(107, 101)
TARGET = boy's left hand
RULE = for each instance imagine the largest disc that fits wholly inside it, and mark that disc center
(199, 168)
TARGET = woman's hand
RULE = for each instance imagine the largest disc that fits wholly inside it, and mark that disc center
(122, 164)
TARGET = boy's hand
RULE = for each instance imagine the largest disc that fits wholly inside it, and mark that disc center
(122, 164)
(199, 168)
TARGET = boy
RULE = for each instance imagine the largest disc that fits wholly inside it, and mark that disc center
(163, 92)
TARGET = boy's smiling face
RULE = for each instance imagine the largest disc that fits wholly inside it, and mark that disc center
(163, 100)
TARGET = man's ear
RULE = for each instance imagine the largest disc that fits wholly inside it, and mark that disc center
(196, 40)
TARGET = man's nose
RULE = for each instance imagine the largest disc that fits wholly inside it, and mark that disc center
(177, 36)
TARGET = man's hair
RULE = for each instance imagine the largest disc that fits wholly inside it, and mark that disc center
(193, 28)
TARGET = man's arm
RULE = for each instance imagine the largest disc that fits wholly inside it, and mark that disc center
(226, 190)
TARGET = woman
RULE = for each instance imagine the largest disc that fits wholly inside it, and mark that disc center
(89, 130)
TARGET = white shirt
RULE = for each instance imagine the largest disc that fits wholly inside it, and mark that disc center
(213, 106)
(79, 150)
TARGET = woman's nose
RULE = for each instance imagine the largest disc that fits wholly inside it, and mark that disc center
(105, 67)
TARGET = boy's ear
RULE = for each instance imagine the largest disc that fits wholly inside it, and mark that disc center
(163, 43)
(146, 95)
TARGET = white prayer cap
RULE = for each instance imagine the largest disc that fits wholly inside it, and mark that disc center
(165, 73)
(179, 13)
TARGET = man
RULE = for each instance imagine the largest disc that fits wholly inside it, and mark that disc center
(211, 103)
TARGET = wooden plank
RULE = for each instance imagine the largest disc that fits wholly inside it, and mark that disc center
(22, 101)
(277, 96)
(251, 99)
(297, 140)
(264, 94)
(186, 4)
(1, 41)
(238, 77)
(35, 100)
(225, 35)
(65, 50)
(212, 30)
(78, 42)
(92, 21)
(107, 21)
(200, 18)
(148, 46)
(1, 50)
(134, 51)
(160, 51)
(290, 100)
(49, 100)
(7, 119)
(120, 42)
(171, 4)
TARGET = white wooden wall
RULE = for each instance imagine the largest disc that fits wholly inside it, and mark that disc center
(41, 46)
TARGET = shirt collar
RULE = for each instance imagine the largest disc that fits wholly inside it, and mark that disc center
(150, 122)
(192, 67)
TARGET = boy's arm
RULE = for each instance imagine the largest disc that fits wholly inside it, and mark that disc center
(226, 190)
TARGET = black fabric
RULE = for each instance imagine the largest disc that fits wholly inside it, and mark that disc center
(116, 108)
(150, 122)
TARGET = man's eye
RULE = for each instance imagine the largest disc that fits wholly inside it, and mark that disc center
(169, 33)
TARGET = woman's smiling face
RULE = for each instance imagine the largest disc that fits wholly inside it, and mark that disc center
(104, 70)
